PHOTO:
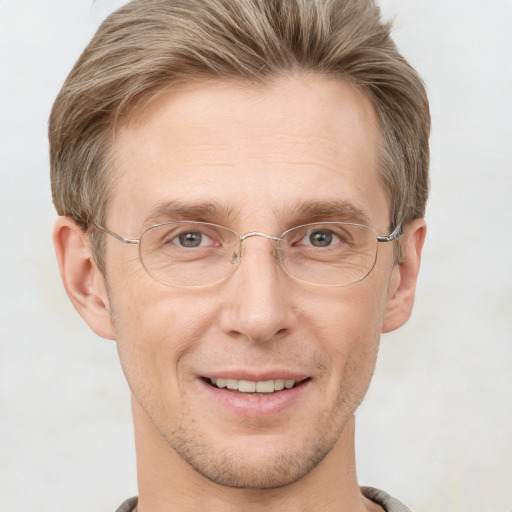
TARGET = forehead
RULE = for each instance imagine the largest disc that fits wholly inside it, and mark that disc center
(225, 149)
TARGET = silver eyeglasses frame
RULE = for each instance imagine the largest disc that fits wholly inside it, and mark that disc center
(394, 235)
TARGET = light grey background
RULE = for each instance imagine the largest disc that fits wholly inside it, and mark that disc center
(436, 427)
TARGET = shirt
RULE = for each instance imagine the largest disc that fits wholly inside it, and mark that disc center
(387, 502)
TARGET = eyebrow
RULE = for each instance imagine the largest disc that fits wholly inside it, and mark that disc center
(179, 210)
(302, 212)
(341, 210)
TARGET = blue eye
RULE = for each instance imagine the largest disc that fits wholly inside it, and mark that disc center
(320, 238)
(190, 239)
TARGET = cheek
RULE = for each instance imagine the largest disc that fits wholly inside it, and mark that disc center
(153, 341)
(153, 331)
(159, 329)
(348, 326)
(350, 313)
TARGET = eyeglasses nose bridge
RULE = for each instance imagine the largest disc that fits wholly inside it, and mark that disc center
(238, 254)
(259, 233)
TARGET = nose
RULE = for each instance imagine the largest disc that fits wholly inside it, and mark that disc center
(258, 304)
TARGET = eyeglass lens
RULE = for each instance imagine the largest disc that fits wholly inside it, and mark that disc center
(194, 254)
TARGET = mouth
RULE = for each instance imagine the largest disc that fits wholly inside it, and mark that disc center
(259, 397)
(262, 388)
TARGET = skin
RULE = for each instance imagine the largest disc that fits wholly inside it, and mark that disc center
(256, 153)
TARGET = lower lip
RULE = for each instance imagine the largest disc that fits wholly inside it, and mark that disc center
(253, 406)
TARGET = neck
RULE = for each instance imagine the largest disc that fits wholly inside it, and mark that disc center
(166, 482)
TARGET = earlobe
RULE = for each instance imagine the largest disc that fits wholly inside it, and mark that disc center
(403, 283)
(82, 280)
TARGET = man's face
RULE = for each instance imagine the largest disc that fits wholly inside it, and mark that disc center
(258, 155)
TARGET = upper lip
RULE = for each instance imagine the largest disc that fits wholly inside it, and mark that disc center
(256, 376)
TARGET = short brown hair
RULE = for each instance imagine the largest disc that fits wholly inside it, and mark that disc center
(149, 45)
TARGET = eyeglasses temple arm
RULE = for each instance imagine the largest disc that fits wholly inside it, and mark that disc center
(397, 233)
(120, 238)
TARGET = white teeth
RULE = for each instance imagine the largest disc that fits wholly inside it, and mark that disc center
(288, 384)
(266, 386)
(279, 384)
(232, 384)
(248, 386)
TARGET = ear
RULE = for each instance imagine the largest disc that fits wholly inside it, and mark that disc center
(82, 280)
(405, 275)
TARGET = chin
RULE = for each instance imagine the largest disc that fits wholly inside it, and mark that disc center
(255, 467)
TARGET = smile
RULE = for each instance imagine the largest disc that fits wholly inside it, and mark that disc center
(248, 386)
(258, 397)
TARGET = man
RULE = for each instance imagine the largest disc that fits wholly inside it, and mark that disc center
(241, 189)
